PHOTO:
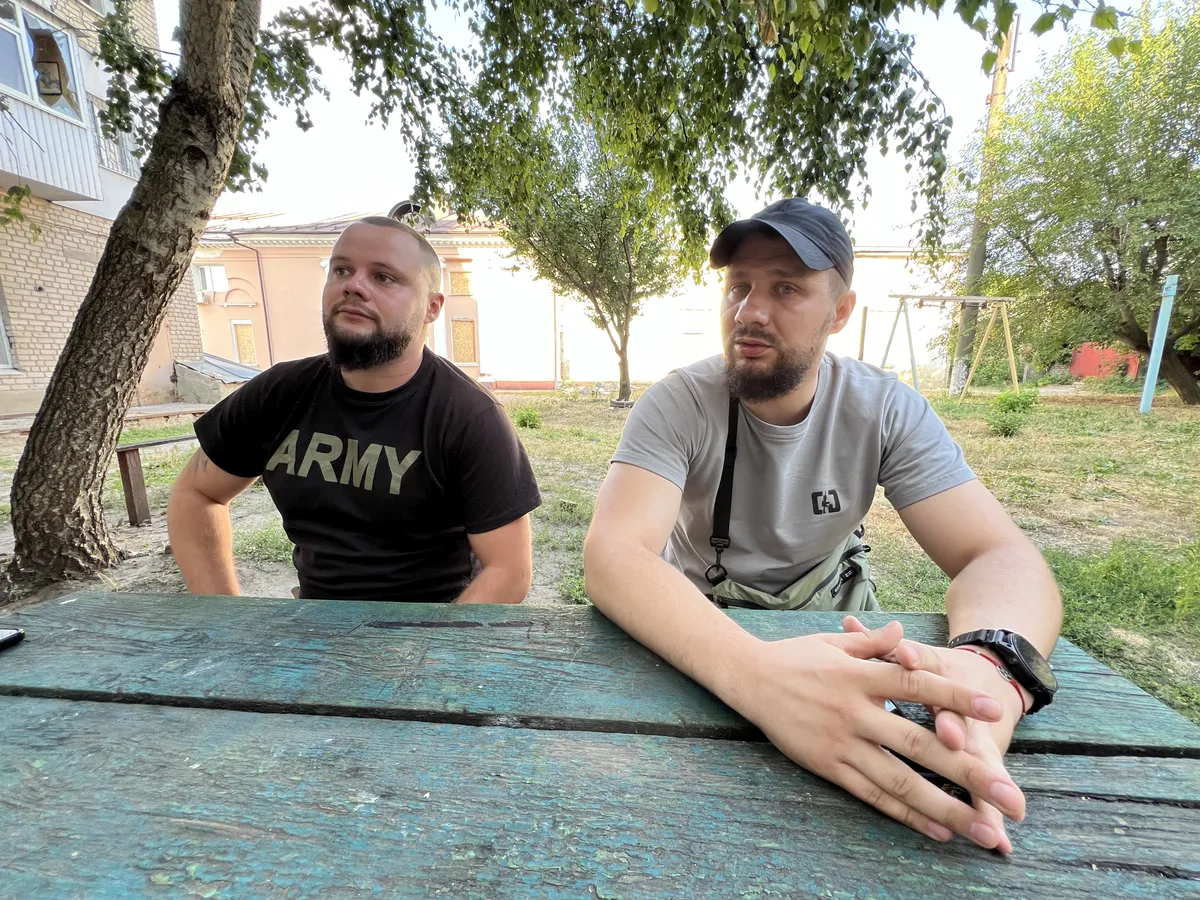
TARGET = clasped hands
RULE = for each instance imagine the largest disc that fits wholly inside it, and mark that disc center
(820, 700)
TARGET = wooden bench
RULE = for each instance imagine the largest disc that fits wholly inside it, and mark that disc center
(129, 460)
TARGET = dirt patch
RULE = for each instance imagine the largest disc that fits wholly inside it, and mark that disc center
(1185, 667)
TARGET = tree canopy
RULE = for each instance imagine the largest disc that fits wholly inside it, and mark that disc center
(1094, 192)
(793, 93)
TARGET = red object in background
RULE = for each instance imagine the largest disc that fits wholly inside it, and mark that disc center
(1090, 360)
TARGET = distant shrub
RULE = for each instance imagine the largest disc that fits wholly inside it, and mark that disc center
(1004, 422)
(528, 417)
(1120, 384)
(1011, 401)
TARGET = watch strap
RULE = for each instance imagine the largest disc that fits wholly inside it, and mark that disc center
(1004, 673)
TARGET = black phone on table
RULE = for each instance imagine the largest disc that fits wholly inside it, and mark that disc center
(10, 637)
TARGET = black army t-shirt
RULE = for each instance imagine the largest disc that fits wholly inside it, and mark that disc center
(377, 491)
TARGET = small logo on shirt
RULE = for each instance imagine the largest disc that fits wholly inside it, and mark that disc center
(826, 502)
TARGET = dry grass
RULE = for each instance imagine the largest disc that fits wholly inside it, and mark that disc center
(1083, 474)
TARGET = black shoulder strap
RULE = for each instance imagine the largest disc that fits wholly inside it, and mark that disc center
(724, 502)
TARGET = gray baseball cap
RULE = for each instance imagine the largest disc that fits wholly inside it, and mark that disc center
(816, 234)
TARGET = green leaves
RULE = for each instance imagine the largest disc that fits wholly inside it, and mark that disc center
(1044, 23)
(989, 61)
(138, 80)
(689, 94)
(1105, 17)
(10, 206)
(585, 220)
(1117, 46)
(1004, 16)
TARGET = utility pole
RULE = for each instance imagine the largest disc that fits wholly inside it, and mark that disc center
(968, 314)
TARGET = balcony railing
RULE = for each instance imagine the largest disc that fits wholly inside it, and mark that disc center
(49, 151)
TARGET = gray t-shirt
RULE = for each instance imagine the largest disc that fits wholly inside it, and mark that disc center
(798, 490)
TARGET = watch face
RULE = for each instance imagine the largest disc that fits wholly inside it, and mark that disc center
(1034, 661)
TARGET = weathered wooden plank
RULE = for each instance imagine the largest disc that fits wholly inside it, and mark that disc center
(129, 461)
(535, 666)
(157, 442)
(100, 800)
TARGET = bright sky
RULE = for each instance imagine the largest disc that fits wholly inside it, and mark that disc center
(343, 165)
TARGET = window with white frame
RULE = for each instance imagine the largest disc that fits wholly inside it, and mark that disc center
(37, 60)
(211, 278)
(12, 67)
(6, 354)
(116, 154)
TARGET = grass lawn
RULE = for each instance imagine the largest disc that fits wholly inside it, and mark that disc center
(1112, 498)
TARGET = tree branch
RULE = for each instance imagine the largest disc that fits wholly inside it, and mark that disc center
(1160, 258)
(1023, 241)
(1186, 330)
(1110, 274)
(580, 284)
(1128, 328)
(244, 41)
(561, 264)
(629, 288)
(206, 44)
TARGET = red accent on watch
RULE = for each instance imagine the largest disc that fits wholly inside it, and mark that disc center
(1003, 670)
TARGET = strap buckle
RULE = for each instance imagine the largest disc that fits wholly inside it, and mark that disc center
(716, 573)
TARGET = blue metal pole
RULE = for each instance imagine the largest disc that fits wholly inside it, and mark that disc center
(1160, 340)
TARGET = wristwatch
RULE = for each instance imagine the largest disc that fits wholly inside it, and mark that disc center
(1020, 658)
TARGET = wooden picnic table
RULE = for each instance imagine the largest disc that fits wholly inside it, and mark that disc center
(215, 746)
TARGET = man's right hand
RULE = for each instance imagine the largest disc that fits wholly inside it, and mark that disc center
(819, 699)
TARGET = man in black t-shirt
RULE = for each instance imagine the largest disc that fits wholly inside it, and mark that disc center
(398, 477)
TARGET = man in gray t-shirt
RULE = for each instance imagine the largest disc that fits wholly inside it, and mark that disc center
(798, 490)
(815, 435)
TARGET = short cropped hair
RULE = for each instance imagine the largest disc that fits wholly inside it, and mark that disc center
(837, 283)
(431, 264)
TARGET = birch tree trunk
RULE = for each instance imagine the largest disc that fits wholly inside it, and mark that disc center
(57, 516)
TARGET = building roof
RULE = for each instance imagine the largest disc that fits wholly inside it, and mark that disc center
(224, 370)
(259, 224)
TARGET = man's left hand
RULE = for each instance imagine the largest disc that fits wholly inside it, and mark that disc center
(985, 741)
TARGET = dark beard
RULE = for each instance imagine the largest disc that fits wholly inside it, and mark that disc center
(790, 369)
(364, 352)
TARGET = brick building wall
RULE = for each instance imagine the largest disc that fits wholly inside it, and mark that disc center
(82, 17)
(44, 280)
